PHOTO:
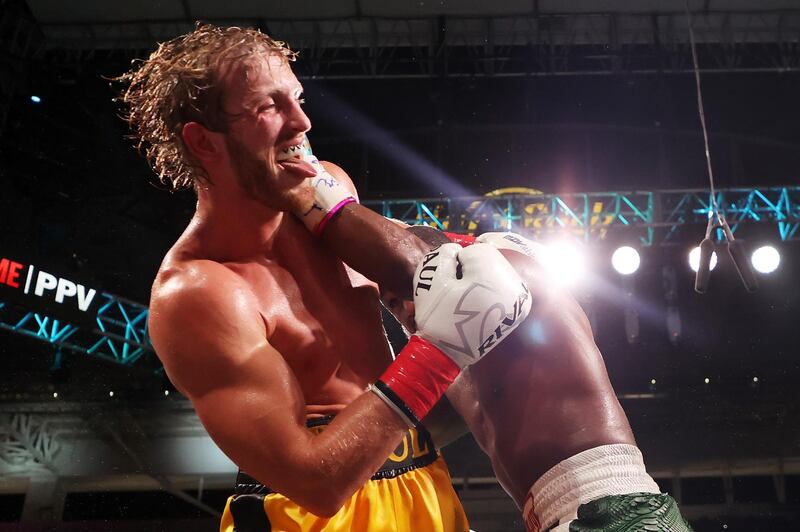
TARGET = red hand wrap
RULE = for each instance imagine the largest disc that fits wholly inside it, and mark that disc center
(419, 377)
(461, 240)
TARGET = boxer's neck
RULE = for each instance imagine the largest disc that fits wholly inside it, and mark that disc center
(235, 225)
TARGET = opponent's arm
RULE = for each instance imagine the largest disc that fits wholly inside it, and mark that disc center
(327, 205)
(212, 341)
(444, 424)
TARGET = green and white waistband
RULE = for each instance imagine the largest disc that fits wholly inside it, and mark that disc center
(616, 469)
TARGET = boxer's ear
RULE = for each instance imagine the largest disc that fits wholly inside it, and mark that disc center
(203, 144)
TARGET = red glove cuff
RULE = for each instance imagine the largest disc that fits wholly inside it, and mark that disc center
(461, 240)
(416, 380)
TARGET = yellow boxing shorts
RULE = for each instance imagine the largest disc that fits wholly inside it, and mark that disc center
(411, 492)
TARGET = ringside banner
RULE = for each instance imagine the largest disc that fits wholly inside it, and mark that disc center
(46, 291)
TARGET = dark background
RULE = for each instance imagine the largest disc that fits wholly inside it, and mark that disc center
(73, 190)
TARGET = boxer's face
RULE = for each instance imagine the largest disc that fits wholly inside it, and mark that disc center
(263, 97)
(402, 309)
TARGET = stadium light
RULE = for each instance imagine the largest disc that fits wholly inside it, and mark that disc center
(625, 260)
(565, 262)
(694, 259)
(766, 259)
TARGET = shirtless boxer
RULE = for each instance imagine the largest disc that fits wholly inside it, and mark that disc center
(264, 330)
(540, 405)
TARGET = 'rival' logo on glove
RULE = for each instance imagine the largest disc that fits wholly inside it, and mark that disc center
(509, 322)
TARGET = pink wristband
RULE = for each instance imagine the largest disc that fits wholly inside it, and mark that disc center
(330, 214)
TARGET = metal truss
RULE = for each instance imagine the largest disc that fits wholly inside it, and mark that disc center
(450, 46)
(775, 205)
(602, 43)
(120, 335)
(652, 217)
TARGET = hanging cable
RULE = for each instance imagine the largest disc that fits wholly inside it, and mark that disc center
(701, 109)
(716, 219)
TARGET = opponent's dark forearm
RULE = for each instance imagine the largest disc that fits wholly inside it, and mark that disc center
(444, 424)
(377, 248)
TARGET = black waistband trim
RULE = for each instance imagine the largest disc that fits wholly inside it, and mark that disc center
(313, 422)
(415, 451)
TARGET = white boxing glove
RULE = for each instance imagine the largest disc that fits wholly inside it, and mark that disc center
(515, 242)
(467, 300)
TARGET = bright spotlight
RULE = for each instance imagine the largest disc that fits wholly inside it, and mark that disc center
(694, 259)
(766, 259)
(565, 262)
(35, 99)
(625, 260)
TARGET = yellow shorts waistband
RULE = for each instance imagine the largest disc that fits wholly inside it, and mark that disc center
(415, 451)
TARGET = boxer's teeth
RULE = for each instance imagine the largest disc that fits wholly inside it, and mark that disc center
(291, 151)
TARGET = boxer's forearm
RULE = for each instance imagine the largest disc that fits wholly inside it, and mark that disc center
(377, 248)
(343, 457)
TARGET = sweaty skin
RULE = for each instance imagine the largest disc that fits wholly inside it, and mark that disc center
(259, 325)
(541, 396)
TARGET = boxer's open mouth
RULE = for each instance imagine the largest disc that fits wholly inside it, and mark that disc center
(291, 152)
(292, 159)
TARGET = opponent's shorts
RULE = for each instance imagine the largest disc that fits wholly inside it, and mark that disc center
(412, 491)
(605, 489)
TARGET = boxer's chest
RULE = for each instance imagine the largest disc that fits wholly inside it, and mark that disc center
(326, 326)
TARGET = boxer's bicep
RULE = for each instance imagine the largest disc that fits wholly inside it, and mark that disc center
(213, 344)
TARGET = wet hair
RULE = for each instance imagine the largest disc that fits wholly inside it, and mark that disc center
(431, 236)
(180, 83)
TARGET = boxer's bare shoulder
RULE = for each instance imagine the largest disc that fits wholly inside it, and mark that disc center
(203, 305)
(293, 296)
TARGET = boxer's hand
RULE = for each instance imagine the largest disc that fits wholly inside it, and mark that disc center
(467, 300)
(317, 199)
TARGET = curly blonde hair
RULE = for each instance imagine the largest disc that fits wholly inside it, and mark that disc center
(180, 83)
